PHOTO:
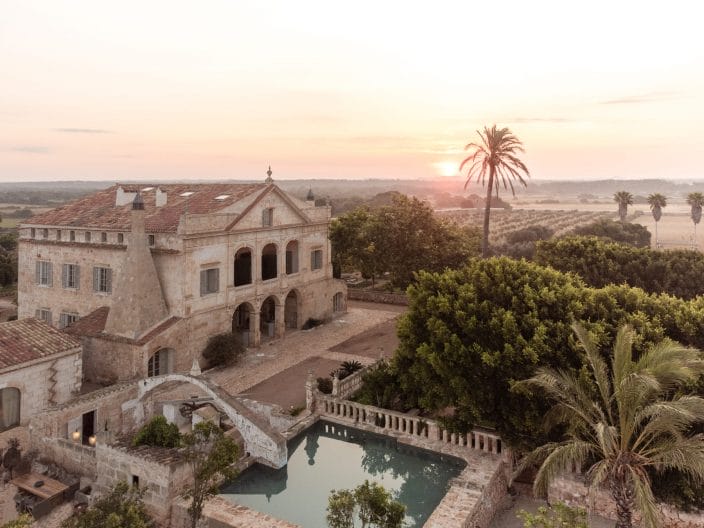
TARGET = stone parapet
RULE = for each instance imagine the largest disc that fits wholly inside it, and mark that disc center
(377, 297)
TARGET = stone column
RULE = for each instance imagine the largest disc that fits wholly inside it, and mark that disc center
(310, 391)
(280, 323)
(256, 338)
(335, 386)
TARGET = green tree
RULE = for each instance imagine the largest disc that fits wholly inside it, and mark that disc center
(558, 515)
(623, 199)
(8, 241)
(600, 263)
(623, 419)
(122, 507)
(23, 521)
(355, 238)
(631, 234)
(374, 506)
(158, 432)
(495, 161)
(470, 333)
(695, 201)
(211, 456)
(657, 201)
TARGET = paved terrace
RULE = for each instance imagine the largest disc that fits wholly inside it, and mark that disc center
(276, 372)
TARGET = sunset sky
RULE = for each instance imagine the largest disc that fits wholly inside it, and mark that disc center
(322, 89)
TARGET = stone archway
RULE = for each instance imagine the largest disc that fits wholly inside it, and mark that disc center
(243, 324)
(243, 267)
(267, 318)
(291, 310)
(269, 262)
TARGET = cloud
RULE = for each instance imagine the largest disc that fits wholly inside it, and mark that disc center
(30, 149)
(652, 97)
(83, 130)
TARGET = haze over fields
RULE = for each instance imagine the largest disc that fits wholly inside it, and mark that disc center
(163, 90)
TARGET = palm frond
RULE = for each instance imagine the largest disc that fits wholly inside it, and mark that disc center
(644, 499)
(560, 458)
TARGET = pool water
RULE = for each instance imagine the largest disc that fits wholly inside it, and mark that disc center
(329, 456)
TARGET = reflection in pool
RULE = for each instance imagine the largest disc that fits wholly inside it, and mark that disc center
(328, 456)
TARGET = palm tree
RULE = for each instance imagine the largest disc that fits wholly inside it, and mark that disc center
(657, 201)
(623, 199)
(625, 421)
(696, 201)
(495, 157)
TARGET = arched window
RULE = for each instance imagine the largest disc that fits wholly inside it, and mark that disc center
(160, 363)
(9, 407)
(292, 257)
(269, 258)
(243, 267)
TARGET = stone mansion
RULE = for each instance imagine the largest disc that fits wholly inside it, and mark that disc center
(145, 275)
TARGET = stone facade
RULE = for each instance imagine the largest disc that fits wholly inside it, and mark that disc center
(188, 262)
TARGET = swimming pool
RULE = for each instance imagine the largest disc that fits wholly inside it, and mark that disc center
(329, 456)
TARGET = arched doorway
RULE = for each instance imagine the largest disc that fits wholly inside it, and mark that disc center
(243, 322)
(161, 362)
(267, 320)
(291, 310)
(243, 267)
(269, 257)
(292, 257)
(10, 399)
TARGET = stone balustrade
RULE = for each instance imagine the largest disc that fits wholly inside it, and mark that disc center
(384, 421)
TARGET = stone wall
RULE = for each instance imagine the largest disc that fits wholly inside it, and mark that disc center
(377, 297)
(44, 383)
(220, 513)
(572, 490)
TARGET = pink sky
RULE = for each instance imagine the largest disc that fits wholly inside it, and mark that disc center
(320, 89)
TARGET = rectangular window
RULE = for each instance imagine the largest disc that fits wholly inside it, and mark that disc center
(103, 237)
(120, 238)
(33, 232)
(209, 281)
(45, 233)
(70, 276)
(316, 259)
(268, 217)
(151, 240)
(44, 273)
(58, 234)
(87, 236)
(66, 319)
(102, 280)
(72, 236)
(43, 314)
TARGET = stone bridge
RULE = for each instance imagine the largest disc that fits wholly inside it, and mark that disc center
(260, 439)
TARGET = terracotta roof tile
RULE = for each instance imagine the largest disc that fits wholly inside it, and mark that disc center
(29, 340)
(98, 210)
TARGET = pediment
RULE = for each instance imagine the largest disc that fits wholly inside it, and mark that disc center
(285, 211)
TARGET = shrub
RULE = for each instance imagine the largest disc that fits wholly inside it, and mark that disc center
(223, 349)
(158, 432)
(123, 506)
(311, 323)
(380, 387)
(325, 385)
(556, 516)
(23, 521)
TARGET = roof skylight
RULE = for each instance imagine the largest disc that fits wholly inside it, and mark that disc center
(148, 189)
(187, 193)
(222, 197)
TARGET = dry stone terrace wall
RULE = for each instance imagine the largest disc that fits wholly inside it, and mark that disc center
(377, 297)
(571, 489)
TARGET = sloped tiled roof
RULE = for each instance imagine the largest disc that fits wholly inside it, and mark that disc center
(29, 340)
(93, 325)
(98, 210)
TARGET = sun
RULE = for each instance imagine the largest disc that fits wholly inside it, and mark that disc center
(446, 168)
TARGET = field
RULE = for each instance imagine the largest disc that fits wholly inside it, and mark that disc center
(675, 229)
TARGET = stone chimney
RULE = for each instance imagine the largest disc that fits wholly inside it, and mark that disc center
(310, 198)
(137, 300)
(160, 197)
(123, 197)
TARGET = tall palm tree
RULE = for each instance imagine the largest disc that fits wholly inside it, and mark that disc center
(494, 158)
(696, 201)
(626, 420)
(657, 201)
(623, 199)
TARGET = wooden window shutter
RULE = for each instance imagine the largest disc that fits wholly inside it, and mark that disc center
(50, 273)
(108, 280)
(39, 272)
(203, 282)
(96, 279)
(76, 276)
(64, 275)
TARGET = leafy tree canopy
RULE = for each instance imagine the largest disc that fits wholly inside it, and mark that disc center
(120, 508)
(373, 505)
(631, 234)
(599, 263)
(401, 238)
(470, 333)
(158, 432)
